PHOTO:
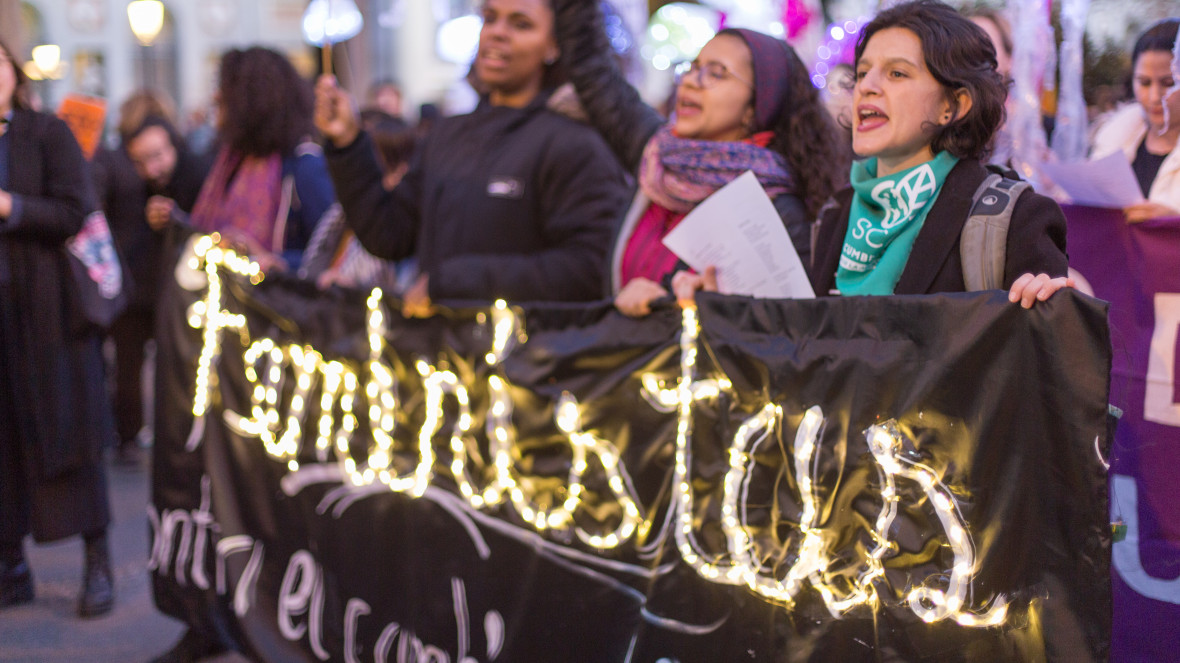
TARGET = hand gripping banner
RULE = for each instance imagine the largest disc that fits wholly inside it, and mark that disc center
(879, 478)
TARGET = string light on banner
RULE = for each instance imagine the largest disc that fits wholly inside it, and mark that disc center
(682, 495)
(285, 384)
(208, 316)
(813, 559)
(500, 432)
(569, 421)
(928, 603)
(736, 484)
(380, 390)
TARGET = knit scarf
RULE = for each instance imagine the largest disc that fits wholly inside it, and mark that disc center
(241, 195)
(677, 173)
(886, 215)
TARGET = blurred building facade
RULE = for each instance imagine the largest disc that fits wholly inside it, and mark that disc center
(100, 56)
(423, 45)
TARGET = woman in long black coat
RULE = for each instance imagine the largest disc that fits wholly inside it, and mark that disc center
(55, 418)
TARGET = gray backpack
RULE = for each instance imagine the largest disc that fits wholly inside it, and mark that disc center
(983, 246)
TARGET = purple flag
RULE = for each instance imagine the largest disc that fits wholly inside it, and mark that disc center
(1136, 267)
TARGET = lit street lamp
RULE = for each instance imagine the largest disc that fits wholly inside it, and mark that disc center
(46, 63)
(147, 19)
(328, 22)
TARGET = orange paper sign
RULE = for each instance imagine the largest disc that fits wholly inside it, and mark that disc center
(85, 115)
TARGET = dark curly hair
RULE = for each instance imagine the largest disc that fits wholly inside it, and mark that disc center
(959, 55)
(1161, 36)
(807, 135)
(266, 106)
(20, 92)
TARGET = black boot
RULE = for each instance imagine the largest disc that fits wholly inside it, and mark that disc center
(16, 582)
(193, 646)
(98, 589)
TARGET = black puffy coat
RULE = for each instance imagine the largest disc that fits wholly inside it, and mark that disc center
(514, 203)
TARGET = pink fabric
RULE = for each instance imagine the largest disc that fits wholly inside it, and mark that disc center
(241, 196)
(645, 255)
(678, 173)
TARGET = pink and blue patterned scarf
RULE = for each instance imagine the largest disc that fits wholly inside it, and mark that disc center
(241, 196)
(678, 173)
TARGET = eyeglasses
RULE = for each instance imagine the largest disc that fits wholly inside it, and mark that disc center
(708, 74)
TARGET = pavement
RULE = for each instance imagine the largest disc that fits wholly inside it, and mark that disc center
(134, 631)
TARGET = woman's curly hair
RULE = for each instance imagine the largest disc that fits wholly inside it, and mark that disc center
(266, 106)
(806, 134)
(960, 56)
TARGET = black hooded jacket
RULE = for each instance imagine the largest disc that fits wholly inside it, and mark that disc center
(513, 203)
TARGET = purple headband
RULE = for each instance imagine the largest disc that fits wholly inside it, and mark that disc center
(772, 61)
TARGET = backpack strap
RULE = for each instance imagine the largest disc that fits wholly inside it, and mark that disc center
(983, 246)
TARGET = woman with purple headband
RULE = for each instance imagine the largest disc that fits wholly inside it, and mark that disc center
(745, 103)
(926, 104)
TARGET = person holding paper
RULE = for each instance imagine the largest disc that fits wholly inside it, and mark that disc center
(55, 417)
(925, 112)
(511, 201)
(745, 103)
(1147, 131)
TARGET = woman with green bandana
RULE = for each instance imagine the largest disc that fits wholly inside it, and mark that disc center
(926, 105)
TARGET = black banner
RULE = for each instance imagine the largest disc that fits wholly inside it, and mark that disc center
(878, 478)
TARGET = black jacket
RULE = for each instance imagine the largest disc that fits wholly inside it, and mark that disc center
(55, 407)
(1036, 238)
(614, 108)
(514, 203)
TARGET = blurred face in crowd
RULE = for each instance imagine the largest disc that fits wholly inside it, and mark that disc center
(1003, 57)
(7, 81)
(515, 44)
(897, 102)
(389, 100)
(1151, 79)
(715, 97)
(154, 156)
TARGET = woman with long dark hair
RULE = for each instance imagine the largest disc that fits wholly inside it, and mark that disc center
(269, 186)
(745, 103)
(927, 102)
(56, 419)
(1148, 131)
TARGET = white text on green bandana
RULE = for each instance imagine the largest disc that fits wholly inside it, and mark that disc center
(886, 215)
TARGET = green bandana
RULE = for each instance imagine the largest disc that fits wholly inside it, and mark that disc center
(886, 215)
